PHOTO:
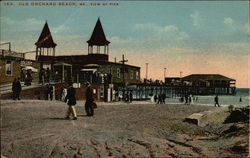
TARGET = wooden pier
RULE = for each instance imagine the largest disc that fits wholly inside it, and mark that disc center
(146, 91)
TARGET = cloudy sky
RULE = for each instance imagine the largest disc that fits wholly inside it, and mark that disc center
(192, 36)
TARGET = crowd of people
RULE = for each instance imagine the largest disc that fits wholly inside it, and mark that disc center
(160, 99)
(188, 99)
(28, 78)
(45, 75)
(128, 97)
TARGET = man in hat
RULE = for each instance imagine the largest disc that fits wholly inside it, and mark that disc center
(71, 98)
(18, 88)
(89, 100)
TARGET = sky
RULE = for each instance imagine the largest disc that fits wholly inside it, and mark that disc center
(192, 37)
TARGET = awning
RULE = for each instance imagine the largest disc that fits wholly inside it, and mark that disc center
(93, 70)
(30, 68)
(62, 64)
(92, 65)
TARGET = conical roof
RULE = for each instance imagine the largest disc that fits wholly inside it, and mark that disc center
(98, 36)
(45, 40)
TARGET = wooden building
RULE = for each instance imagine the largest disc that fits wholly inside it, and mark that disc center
(14, 65)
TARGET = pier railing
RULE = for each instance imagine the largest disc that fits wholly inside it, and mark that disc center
(146, 91)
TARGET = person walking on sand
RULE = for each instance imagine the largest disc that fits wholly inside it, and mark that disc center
(216, 100)
(71, 101)
(89, 100)
(14, 89)
(18, 88)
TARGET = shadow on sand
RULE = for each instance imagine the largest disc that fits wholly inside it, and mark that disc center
(82, 116)
(63, 118)
(57, 118)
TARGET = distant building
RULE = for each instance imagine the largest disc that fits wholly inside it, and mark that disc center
(209, 84)
(172, 80)
(208, 80)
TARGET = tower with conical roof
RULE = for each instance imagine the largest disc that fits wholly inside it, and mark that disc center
(98, 40)
(45, 46)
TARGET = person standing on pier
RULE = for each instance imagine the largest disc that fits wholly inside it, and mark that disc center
(163, 98)
(186, 99)
(89, 100)
(216, 100)
(155, 98)
(240, 99)
(71, 98)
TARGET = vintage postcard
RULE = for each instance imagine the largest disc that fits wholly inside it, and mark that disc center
(111, 79)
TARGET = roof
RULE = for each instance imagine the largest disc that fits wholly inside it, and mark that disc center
(206, 77)
(16, 58)
(114, 63)
(98, 36)
(45, 40)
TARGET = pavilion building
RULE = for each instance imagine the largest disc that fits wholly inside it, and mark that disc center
(94, 67)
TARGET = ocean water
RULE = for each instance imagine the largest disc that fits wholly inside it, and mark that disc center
(224, 100)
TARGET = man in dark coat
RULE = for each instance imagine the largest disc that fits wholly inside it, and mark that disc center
(89, 100)
(163, 98)
(14, 85)
(155, 98)
(71, 98)
(18, 88)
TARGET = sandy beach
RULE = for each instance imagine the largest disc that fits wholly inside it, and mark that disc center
(37, 128)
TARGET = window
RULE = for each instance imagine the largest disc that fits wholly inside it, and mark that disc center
(137, 75)
(9, 68)
(131, 74)
(114, 72)
(118, 72)
(125, 75)
(102, 91)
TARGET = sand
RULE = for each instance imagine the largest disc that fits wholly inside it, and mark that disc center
(36, 128)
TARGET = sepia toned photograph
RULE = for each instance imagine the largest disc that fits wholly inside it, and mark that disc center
(124, 79)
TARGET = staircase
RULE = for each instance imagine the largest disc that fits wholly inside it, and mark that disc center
(7, 88)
